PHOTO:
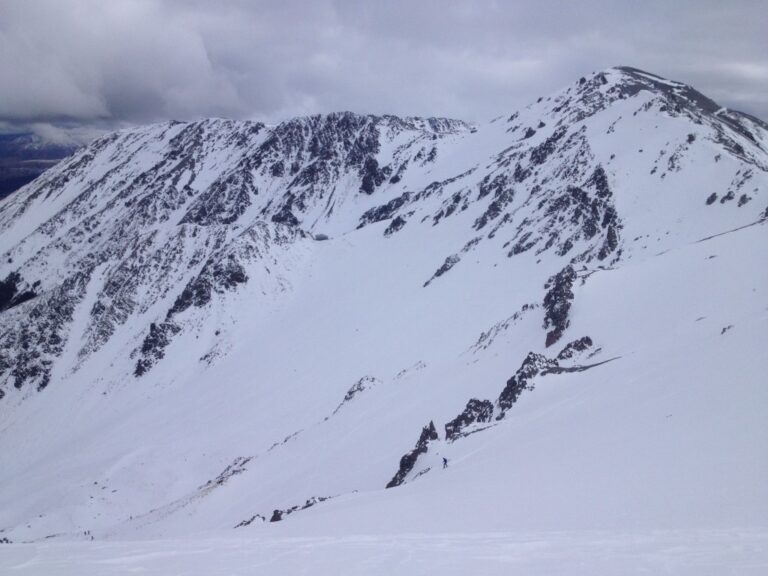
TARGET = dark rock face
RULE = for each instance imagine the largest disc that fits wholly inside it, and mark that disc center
(408, 461)
(458, 201)
(449, 263)
(278, 515)
(251, 520)
(35, 334)
(521, 381)
(365, 383)
(238, 466)
(572, 207)
(218, 275)
(599, 183)
(399, 174)
(557, 303)
(10, 295)
(373, 176)
(452, 260)
(322, 149)
(285, 216)
(224, 202)
(573, 348)
(503, 195)
(455, 203)
(475, 411)
(153, 347)
(487, 338)
(396, 225)
(534, 365)
(520, 174)
(540, 154)
(385, 211)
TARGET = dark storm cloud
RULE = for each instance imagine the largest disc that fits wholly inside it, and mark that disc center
(89, 64)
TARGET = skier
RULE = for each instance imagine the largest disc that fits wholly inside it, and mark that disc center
(445, 462)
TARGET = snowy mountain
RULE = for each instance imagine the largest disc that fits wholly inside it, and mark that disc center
(350, 324)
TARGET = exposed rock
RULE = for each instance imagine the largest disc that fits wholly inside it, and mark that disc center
(365, 383)
(574, 348)
(540, 154)
(33, 336)
(154, 344)
(557, 303)
(475, 411)
(373, 176)
(238, 466)
(521, 381)
(385, 211)
(278, 515)
(397, 224)
(503, 195)
(10, 295)
(285, 216)
(486, 339)
(224, 202)
(449, 263)
(217, 275)
(452, 260)
(251, 520)
(222, 272)
(408, 461)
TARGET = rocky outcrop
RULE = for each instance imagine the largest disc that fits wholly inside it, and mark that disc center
(475, 411)
(251, 520)
(385, 211)
(503, 195)
(408, 461)
(34, 334)
(216, 276)
(365, 383)
(522, 380)
(278, 515)
(488, 337)
(557, 303)
(573, 349)
(153, 347)
(10, 293)
(535, 365)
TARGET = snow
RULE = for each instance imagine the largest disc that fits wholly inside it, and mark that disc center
(674, 553)
(652, 461)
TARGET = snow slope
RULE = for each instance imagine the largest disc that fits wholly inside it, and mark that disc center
(212, 325)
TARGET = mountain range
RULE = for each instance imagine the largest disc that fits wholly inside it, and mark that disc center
(357, 324)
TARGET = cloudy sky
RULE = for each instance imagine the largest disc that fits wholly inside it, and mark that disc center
(85, 65)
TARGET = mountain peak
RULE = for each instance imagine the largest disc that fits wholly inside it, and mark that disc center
(223, 286)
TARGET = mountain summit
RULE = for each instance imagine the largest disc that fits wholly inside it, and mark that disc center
(551, 320)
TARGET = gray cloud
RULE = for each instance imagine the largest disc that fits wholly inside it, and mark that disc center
(98, 64)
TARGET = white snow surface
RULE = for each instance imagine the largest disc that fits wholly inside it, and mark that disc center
(298, 369)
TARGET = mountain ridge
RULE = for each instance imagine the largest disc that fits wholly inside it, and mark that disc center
(212, 292)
